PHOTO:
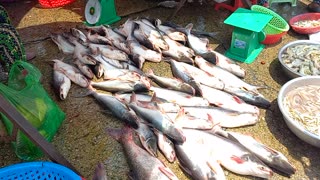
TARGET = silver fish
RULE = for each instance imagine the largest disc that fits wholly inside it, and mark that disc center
(84, 68)
(109, 52)
(223, 117)
(82, 53)
(180, 98)
(143, 39)
(166, 146)
(171, 32)
(120, 110)
(71, 72)
(199, 45)
(63, 44)
(144, 165)
(171, 83)
(159, 120)
(61, 83)
(271, 157)
(100, 172)
(231, 155)
(227, 101)
(178, 51)
(117, 85)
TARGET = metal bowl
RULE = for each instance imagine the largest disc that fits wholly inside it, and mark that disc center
(289, 71)
(293, 125)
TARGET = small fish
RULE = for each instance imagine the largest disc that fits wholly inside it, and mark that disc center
(171, 83)
(143, 165)
(71, 72)
(61, 83)
(63, 44)
(100, 172)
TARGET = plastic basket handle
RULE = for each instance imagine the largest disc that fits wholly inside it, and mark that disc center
(20, 122)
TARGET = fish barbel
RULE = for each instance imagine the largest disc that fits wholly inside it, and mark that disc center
(61, 83)
(144, 165)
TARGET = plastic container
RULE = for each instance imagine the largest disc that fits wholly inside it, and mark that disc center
(276, 25)
(54, 3)
(273, 38)
(38, 171)
(305, 16)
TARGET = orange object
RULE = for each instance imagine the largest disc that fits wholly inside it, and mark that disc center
(237, 4)
(54, 3)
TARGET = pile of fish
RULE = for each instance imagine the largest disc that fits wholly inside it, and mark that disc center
(172, 115)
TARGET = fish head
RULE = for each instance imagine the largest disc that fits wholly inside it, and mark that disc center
(177, 135)
(256, 167)
(281, 163)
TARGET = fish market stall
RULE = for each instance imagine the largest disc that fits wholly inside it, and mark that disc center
(90, 133)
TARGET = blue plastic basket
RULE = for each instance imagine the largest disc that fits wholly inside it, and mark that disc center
(37, 171)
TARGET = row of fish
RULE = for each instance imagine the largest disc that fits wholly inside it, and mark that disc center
(173, 115)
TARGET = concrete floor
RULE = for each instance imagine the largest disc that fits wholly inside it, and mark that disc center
(81, 138)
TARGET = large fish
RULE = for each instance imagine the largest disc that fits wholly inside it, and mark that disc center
(71, 72)
(180, 98)
(109, 51)
(197, 162)
(225, 100)
(171, 83)
(223, 117)
(118, 85)
(63, 44)
(231, 155)
(143, 165)
(159, 120)
(269, 156)
(120, 110)
(61, 83)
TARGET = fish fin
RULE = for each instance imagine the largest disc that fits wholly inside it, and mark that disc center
(237, 99)
(237, 159)
(100, 172)
(188, 28)
(180, 116)
(167, 172)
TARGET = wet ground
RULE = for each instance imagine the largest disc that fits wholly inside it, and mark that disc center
(81, 138)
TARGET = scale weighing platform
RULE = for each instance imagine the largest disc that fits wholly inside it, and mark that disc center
(247, 34)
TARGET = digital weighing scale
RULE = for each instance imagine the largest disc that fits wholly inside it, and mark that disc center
(247, 34)
(100, 12)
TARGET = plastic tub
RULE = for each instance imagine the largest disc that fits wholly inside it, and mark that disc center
(302, 17)
(39, 171)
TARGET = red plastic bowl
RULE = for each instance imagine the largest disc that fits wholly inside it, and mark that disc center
(305, 16)
(273, 38)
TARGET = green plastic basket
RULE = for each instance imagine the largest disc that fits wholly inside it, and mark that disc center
(276, 25)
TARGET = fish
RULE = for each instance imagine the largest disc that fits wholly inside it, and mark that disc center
(225, 118)
(147, 137)
(170, 32)
(63, 44)
(268, 155)
(100, 172)
(166, 146)
(199, 45)
(71, 72)
(118, 85)
(118, 109)
(143, 165)
(229, 154)
(118, 73)
(197, 162)
(79, 34)
(82, 53)
(84, 68)
(178, 51)
(109, 51)
(180, 98)
(171, 83)
(94, 37)
(97, 69)
(197, 74)
(127, 27)
(61, 84)
(159, 120)
(225, 100)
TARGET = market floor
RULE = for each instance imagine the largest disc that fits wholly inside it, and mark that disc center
(81, 137)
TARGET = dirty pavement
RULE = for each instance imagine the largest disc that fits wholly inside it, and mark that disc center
(82, 138)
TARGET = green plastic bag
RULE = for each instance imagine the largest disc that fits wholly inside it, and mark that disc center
(26, 93)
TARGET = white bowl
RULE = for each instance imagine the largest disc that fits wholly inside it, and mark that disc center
(293, 125)
(288, 70)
